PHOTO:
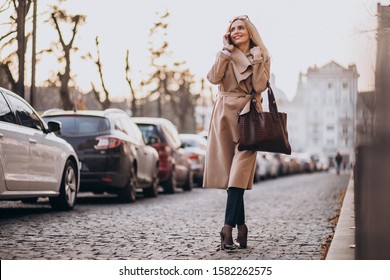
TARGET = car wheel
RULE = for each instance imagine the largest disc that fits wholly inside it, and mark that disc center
(152, 191)
(129, 192)
(170, 185)
(68, 190)
(189, 182)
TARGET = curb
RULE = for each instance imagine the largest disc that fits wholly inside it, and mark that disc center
(342, 246)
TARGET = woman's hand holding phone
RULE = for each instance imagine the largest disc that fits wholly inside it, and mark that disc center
(227, 42)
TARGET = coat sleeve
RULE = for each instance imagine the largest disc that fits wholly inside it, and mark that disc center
(218, 69)
(261, 74)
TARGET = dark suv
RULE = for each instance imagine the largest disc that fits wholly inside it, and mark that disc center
(113, 155)
(174, 167)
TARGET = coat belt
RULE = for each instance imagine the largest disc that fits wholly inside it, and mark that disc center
(234, 94)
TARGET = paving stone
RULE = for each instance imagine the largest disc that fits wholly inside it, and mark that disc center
(288, 218)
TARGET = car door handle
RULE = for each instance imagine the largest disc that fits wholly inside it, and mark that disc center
(32, 141)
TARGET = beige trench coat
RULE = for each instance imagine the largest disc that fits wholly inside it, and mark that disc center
(235, 74)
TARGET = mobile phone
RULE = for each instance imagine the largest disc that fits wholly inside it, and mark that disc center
(230, 40)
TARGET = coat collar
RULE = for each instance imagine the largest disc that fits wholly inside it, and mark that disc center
(241, 67)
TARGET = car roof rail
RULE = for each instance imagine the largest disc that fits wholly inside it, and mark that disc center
(51, 111)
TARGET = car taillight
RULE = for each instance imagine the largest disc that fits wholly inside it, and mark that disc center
(193, 157)
(107, 142)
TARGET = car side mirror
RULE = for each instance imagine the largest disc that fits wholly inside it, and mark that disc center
(153, 140)
(54, 126)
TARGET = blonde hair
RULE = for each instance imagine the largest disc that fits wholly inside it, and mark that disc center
(254, 35)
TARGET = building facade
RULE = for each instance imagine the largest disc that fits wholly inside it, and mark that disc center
(322, 115)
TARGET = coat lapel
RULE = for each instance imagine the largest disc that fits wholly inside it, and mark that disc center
(242, 67)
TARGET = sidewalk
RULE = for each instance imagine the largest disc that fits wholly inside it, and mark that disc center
(343, 243)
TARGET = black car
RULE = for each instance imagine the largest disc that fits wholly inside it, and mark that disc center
(112, 151)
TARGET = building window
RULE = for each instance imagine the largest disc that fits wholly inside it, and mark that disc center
(330, 142)
(315, 129)
(330, 127)
(330, 85)
(345, 85)
(345, 128)
(330, 113)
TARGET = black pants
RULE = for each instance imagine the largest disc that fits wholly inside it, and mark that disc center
(235, 212)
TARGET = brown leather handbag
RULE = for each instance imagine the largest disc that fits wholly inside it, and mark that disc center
(264, 131)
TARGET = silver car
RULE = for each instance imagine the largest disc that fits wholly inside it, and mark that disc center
(34, 162)
(195, 148)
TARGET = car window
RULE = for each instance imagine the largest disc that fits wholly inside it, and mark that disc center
(25, 113)
(150, 130)
(5, 112)
(80, 125)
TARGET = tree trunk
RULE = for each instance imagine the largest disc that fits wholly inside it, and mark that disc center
(21, 11)
(64, 90)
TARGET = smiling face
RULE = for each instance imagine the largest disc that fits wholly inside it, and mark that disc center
(239, 33)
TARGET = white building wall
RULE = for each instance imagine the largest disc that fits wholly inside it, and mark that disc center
(326, 98)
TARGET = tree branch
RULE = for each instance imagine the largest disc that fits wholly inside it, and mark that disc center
(106, 102)
(53, 16)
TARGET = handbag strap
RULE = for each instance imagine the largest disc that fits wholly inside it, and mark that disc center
(273, 108)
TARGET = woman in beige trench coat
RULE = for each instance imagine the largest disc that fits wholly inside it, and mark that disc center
(242, 65)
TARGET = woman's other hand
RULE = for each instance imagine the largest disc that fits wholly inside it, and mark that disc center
(256, 55)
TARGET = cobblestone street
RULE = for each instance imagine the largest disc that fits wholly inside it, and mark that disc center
(288, 218)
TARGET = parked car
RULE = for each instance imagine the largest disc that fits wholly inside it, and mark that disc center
(321, 162)
(34, 162)
(284, 164)
(262, 167)
(274, 164)
(296, 165)
(174, 165)
(204, 134)
(306, 160)
(195, 147)
(112, 151)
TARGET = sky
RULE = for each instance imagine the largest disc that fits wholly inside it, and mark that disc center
(299, 34)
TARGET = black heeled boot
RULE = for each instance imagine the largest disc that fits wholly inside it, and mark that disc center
(242, 236)
(226, 238)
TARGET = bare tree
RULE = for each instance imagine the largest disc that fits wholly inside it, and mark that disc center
(130, 83)
(21, 11)
(58, 15)
(16, 32)
(171, 81)
(157, 79)
(106, 103)
(183, 101)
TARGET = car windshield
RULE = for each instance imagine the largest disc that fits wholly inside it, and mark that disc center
(78, 125)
